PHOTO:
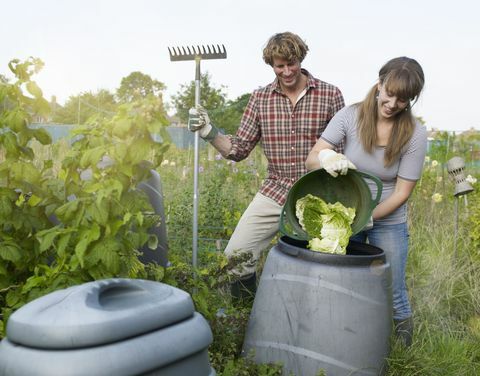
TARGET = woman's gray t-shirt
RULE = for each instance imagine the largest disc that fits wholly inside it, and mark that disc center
(409, 166)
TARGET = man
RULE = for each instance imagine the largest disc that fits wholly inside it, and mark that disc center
(287, 117)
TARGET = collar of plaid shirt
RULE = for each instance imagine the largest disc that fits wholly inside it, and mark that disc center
(311, 82)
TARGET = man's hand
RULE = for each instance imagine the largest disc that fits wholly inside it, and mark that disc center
(334, 163)
(198, 120)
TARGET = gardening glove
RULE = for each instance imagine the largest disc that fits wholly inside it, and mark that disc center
(334, 163)
(198, 120)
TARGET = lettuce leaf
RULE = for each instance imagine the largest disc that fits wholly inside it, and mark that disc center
(328, 225)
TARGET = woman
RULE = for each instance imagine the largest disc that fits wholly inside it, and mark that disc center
(383, 138)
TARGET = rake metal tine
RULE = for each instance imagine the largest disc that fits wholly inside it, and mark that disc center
(194, 52)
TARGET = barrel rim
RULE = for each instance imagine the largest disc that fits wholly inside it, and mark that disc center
(358, 254)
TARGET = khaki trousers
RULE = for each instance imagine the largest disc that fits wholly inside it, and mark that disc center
(254, 232)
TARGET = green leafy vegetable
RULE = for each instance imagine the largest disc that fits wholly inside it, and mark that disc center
(328, 225)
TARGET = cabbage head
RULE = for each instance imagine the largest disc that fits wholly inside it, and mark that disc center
(328, 225)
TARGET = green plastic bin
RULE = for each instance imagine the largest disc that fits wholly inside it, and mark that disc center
(351, 190)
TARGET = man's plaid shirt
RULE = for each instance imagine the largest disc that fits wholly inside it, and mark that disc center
(287, 133)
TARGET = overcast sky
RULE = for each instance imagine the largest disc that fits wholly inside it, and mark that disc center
(88, 45)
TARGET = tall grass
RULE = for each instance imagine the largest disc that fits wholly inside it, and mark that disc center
(443, 271)
(443, 276)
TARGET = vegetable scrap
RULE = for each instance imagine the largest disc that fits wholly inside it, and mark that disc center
(328, 225)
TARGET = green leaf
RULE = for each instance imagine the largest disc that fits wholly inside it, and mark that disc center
(10, 143)
(91, 187)
(127, 217)
(111, 259)
(17, 120)
(107, 253)
(327, 225)
(13, 297)
(119, 151)
(33, 89)
(139, 150)
(62, 243)
(126, 169)
(34, 200)
(3, 270)
(41, 106)
(20, 200)
(47, 237)
(5, 206)
(152, 241)
(139, 217)
(27, 152)
(92, 157)
(122, 127)
(42, 136)
(10, 252)
(99, 211)
(86, 236)
(25, 172)
(112, 190)
(47, 163)
(32, 282)
(68, 210)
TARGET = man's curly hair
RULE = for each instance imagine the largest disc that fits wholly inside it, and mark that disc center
(286, 46)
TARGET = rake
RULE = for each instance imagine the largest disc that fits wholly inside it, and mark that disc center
(196, 53)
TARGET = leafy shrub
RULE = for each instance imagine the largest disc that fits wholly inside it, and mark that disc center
(85, 219)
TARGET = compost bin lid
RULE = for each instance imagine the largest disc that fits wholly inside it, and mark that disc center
(97, 313)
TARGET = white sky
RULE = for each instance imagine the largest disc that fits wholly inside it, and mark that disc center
(88, 45)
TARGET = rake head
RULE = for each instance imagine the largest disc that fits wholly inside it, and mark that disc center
(197, 52)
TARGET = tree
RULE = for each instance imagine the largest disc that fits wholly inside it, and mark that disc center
(138, 85)
(211, 98)
(79, 108)
(229, 116)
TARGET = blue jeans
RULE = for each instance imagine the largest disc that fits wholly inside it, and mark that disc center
(393, 239)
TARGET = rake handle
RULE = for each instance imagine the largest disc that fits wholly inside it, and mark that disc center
(196, 169)
(196, 53)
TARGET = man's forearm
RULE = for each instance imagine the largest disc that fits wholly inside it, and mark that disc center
(222, 143)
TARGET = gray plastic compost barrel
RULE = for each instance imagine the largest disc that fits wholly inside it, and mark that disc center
(109, 327)
(316, 311)
(153, 188)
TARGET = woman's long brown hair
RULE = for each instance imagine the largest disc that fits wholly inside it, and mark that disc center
(404, 78)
